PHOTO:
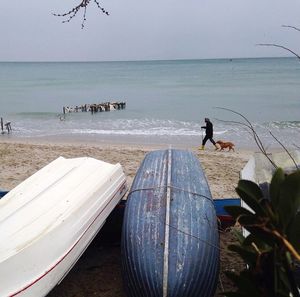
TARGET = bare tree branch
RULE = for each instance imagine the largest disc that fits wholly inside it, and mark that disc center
(295, 163)
(295, 28)
(249, 125)
(252, 132)
(280, 46)
(258, 142)
(298, 147)
(73, 12)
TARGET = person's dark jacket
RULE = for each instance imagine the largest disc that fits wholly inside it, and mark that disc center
(208, 129)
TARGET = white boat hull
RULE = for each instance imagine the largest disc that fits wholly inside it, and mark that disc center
(45, 244)
(260, 170)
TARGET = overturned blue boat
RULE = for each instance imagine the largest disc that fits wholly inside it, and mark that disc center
(170, 241)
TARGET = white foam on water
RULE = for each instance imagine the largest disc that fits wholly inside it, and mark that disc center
(113, 125)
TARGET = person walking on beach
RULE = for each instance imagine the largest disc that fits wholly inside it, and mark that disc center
(209, 132)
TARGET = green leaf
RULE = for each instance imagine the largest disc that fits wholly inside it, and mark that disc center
(251, 219)
(280, 293)
(250, 188)
(247, 253)
(270, 212)
(235, 211)
(289, 199)
(239, 235)
(244, 282)
(236, 294)
(284, 281)
(232, 294)
(261, 244)
(276, 182)
(262, 235)
(251, 194)
(293, 232)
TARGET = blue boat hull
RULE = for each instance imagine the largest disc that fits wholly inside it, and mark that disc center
(3, 193)
(170, 241)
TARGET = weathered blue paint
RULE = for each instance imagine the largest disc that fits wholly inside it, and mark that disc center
(193, 242)
(225, 220)
(221, 202)
(3, 193)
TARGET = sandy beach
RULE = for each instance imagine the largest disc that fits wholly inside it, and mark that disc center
(98, 272)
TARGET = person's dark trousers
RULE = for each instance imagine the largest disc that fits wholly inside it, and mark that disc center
(208, 138)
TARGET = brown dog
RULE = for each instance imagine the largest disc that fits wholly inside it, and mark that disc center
(223, 145)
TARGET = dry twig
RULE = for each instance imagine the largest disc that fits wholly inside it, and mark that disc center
(280, 46)
(73, 12)
(295, 28)
(249, 125)
(257, 139)
(295, 163)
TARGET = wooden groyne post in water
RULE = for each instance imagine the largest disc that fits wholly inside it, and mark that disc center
(7, 126)
(95, 107)
(2, 130)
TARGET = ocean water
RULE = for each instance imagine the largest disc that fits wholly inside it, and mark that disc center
(166, 101)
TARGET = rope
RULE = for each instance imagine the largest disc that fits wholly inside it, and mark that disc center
(171, 187)
(196, 237)
(186, 191)
(186, 233)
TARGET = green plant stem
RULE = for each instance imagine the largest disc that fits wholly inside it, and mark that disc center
(290, 275)
(287, 244)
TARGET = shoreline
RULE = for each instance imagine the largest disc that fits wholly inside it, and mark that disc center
(151, 142)
(22, 157)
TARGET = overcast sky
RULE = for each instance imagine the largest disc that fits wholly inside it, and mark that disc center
(143, 30)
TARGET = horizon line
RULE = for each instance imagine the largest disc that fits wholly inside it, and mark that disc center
(142, 60)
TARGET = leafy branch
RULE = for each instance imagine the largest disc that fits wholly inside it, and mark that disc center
(74, 11)
(272, 248)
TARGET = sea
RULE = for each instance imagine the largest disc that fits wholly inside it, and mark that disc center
(166, 101)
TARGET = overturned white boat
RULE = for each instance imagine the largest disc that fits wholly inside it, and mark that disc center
(260, 170)
(48, 221)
